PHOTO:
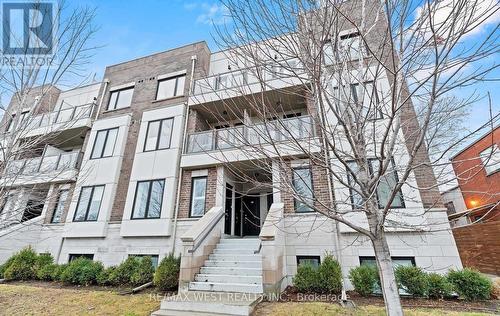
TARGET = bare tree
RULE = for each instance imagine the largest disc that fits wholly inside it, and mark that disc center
(32, 122)
(378, 82)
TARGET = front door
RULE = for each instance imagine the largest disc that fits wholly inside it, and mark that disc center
(251, 215)
(228, 215)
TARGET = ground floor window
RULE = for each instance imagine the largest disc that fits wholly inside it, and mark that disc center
(311, 260)
(396, 262)
(154, 259)
(74, 256)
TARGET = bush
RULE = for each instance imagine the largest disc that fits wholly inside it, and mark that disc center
(104, 278)
(438, 286)
(42, 260)
(123, 273)
(364, 279)
(166, 276)
(58, 271)
(330, 275)
(82, 271)
(46, 272)
(144, 272)
(307, 278)
(22, 267)
(470, 284)
(4, 266)
(412, 279)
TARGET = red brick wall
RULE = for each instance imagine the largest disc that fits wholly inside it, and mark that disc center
(479, 246)
(185, 196)
(474, 183)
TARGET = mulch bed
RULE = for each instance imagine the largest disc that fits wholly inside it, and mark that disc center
(291, 295)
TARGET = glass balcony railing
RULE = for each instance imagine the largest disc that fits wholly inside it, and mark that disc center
(264, 133)
(62, 116)
(45, 164)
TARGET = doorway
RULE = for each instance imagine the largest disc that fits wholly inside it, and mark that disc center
(251, 215)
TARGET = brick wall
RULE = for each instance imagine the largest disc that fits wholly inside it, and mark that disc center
(479, 246)
(52, 199)
(185, 196)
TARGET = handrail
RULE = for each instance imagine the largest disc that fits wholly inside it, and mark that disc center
(38, 168)
(207, 232)
(53, 116)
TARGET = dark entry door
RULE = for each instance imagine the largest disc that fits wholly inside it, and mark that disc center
(251, 215)
(228, 210)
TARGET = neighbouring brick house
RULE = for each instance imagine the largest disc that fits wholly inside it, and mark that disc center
(473, 206)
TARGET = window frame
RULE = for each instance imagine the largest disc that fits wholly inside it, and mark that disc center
(106, 130)
(295, 202)
(310, 257)
(193, 180)
(119, 91)
(159, 133)
(10, 125)
(74, 256)
(56, 206)
(87, 209)
(176, 86)
(150, 189)
(489, 158)
(402, 258)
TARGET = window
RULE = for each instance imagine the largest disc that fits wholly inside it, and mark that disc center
(159, 134)
(491, 159)
(33, 209)
(89, 204)
(350, 46)
(302, 184)
(10, 124)
(59, 208)
(366, 94)
(396, 261)
(104, 143)
(120, 98)
(384, 189)
(170, 87)
(154, 259)
(311, 260)
(198, 192)
(450, 208)
(74, 256)
(22, 119)
(148, 199)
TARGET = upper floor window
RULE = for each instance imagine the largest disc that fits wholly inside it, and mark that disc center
(104, 143)
(170, 87)
(159, 134)
(302, 184)
(23, 119)
(10, 123)
(366, 95)
(89, 204)
(198, 194)
(59, 208)
(148, 199)
(385, 186)
(491, 159)
(120, 98)
(351, 46)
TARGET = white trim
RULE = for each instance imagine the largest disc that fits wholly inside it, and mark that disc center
(199, 173)
(172, 74)
(122, 86)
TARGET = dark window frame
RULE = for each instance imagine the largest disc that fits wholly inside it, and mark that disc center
(378, 111)
(310, 257)
(140, 255)
(57, 205)
(119, 91)
(176, 86)
(150, 189)
(74, 256)
(373, 258)
(312, 189)
(10, 124)
(101, 155)
(191, 197)
(158, 136)
(87, 209)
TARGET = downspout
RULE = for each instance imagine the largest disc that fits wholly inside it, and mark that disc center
(179, 171)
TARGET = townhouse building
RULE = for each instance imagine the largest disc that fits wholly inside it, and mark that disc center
(156, 165)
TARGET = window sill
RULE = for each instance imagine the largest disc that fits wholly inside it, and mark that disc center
(115, 110)
(168, 99)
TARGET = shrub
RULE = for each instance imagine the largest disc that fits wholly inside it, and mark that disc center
(438, 286)
(46, 272)
(58, 271)
(330, 275)
(82, 271)
(42, 260)
(22, 267)
(412, 279)
(123, 273)
(144, 272)
(470, 284)
(7, 264)
(364, 279)
(166, 276)
(104, 278)
(307, 278)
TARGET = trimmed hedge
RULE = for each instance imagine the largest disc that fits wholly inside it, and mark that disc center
(22, 266)
(82, 271)
(364, 279)
(412, 279)
(166, 276)
(144, 272)
(438, 286)
(327, 278)
(470, 284)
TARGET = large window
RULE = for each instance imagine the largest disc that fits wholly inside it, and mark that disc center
(120, 98)
(170, 87)
(159, 134)
(89, 204)
(23, 119)
(384, 189)
(59, 208)
(351, 46)
(104, 143)
(491, 159)
(302, 184)
(148, 199)
(198, 193)
(367, 97)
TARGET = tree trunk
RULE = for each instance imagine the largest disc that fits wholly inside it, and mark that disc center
(387, 277)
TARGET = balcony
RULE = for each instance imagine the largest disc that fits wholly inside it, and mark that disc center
(64, 119)
(50, 168)
(295, 128)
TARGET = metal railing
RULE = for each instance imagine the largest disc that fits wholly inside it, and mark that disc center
(264, 133)
(61, 116)
(44, 164)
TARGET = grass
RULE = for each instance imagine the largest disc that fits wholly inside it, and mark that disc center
(322, 309)
(17, 299)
